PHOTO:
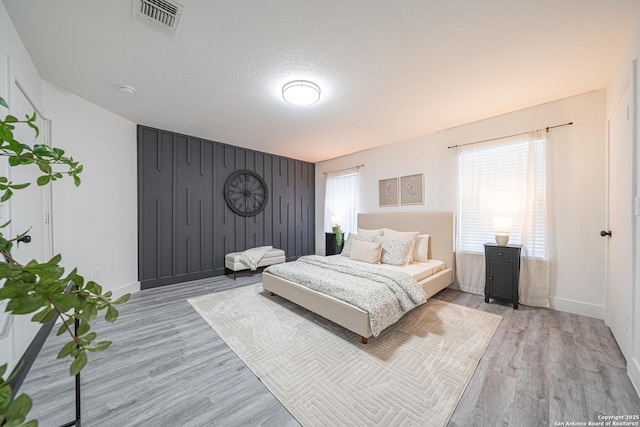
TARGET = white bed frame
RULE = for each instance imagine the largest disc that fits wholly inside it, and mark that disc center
(439, 226)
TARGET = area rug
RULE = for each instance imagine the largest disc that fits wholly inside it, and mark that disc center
(414, 373)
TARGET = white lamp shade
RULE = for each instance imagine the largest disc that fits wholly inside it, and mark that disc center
(334, 220)
(502, 224)
(301, 92)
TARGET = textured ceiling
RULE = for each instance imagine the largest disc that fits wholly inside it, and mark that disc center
(389, 70)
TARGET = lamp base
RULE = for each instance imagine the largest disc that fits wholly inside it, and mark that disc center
(502, 239)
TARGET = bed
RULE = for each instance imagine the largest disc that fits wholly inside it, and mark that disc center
(439, 226)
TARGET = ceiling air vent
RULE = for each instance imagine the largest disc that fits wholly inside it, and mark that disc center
(159, 15)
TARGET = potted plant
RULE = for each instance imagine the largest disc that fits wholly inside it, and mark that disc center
(43, 288)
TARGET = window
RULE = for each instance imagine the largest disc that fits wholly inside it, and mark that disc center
(342, 199)
(503, 178)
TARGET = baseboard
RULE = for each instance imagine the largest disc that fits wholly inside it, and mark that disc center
(126, 289)
(577, 307)
(633, 370)
(467, 289)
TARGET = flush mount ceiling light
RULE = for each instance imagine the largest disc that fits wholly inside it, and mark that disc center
(301, 92)
(129, 90)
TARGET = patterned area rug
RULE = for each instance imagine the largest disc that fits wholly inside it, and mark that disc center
(414, 373)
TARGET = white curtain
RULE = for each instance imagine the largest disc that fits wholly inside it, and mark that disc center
(505, 177)
(342, 197)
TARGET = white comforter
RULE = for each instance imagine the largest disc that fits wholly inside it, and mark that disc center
(386, 295)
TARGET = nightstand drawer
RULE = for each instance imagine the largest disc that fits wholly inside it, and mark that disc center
(501, 254)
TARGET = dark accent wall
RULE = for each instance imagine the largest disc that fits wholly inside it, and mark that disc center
(185, 227)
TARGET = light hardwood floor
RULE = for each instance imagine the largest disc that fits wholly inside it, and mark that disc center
(167, 367)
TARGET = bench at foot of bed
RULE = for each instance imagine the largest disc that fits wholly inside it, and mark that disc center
(272, 256)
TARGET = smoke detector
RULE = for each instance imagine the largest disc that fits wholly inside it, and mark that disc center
(159, 15)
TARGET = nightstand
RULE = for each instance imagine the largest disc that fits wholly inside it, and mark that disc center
(331, 244)
(502, 272)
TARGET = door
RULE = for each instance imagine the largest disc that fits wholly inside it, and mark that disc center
(619, 218)
(26, 211)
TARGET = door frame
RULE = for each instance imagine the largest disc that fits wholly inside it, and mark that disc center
(626, 92)
(47, 194)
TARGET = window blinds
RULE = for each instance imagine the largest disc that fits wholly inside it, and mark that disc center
(505, 178)
(342, 198)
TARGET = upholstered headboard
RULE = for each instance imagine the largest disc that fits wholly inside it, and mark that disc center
(439, 226)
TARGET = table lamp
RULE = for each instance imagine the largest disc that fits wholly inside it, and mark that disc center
(502, 228)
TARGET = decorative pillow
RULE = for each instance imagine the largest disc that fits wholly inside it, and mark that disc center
(364, 232)
(346, 250)
(395, 252)
(399, 235)
(366, 251)
(421, 248)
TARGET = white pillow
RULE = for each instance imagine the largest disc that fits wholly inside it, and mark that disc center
(421, 248)
(399, 235)
(364, 232)
(366, 251)
(395, 252)
(346, 249)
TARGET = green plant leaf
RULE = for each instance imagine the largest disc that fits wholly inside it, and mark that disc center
(3, 102)
(65, 302)
(44, 315)
(14, 290)
(6, 196)
(78, 364)
(67, 349)
(19, 408)
(20, 186)
(66, 324)
(25, 305)
(83, 328)
(112, 314)
(43, 180)
(5, 393)
(89, 337)
(98, 347)
(94, 287)
(15, 160)
(124, 298)
(44, 167)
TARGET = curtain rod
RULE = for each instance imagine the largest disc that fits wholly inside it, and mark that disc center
(340, 170)
(509, 136)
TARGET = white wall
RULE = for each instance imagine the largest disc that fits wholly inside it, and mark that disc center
(95, 224)
(627, 73)
(578, 178)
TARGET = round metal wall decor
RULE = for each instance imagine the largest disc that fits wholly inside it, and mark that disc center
(246, 193)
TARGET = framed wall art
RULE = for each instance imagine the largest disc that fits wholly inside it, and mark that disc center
(412, 189)
(388, 192)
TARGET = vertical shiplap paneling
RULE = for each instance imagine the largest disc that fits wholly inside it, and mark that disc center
(186, 227)
(182, 200)
(268, 217)
(207, 181)
(255, 228)
(290, 197)
(155, 151)
(278, 189)
(223, 218)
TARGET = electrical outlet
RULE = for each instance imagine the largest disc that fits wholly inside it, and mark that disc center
(97, 273)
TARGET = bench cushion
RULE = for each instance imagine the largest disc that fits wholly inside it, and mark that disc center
(272, 256)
